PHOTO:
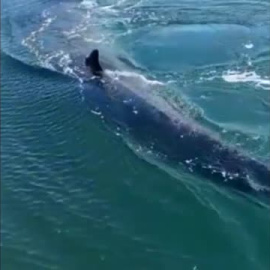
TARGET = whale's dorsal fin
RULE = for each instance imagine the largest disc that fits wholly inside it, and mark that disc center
(92, 61)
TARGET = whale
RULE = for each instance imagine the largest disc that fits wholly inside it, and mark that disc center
(172, 135)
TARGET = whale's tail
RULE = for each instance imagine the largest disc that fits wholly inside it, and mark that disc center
(92, 61)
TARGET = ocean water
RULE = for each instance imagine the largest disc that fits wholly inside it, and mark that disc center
(78, 194)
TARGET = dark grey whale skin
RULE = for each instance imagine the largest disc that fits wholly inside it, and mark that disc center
(178, 143)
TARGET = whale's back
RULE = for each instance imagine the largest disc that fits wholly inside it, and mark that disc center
(175, 139)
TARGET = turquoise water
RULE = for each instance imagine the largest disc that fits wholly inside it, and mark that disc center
(76, 194)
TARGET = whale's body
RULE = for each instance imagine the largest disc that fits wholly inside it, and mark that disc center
(175, 139)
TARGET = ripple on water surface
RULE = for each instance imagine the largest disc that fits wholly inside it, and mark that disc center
(73, 193)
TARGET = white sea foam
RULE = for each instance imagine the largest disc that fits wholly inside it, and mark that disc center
(248, 76)
(31, 41)
(44, 25)
(116, 75)
(256, 186)
(89, 4)
(249, 45)
(46, 60)
(95, 40)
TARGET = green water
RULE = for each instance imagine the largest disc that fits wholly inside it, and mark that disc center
(76, 196)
